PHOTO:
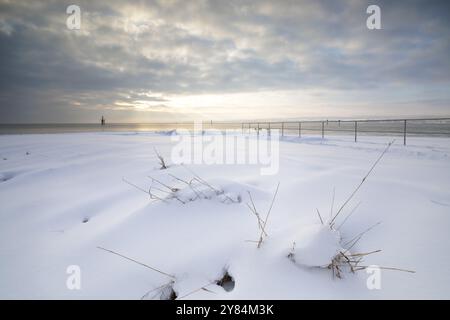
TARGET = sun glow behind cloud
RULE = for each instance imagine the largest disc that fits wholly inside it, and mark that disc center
(263, 104)
(222, 60)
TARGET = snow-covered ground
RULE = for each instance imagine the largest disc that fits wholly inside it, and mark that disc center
(64, 195)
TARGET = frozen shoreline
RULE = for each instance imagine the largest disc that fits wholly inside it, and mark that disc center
(51, 183)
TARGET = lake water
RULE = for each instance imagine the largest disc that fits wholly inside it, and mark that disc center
(414, 127)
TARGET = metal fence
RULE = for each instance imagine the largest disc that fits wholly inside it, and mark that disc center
(395, 127)
(355, 128)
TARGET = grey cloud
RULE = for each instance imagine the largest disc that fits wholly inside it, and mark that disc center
(193, 47)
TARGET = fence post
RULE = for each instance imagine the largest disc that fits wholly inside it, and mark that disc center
(268, 129)
(323, 129)
(299, 129)
(242, 125)
(404, 133)
(356, 131)
(282, 129)
(258, 129)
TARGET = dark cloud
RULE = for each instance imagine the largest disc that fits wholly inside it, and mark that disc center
(143, 53)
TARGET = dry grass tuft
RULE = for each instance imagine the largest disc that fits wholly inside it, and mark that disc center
(345, 260)
(261, 222)
(164, 292)
(196, 188)
(162, 162)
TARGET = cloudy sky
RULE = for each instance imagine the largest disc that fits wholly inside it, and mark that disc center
(168, 60)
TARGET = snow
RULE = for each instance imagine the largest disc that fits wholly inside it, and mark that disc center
(316, 245)
(64, 195)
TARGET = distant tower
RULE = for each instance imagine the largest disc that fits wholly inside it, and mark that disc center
(103, 121)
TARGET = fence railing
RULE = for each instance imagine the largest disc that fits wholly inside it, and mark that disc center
(356, 128)
(397, 127)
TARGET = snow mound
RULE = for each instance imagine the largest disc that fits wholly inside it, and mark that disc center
(316, 246)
